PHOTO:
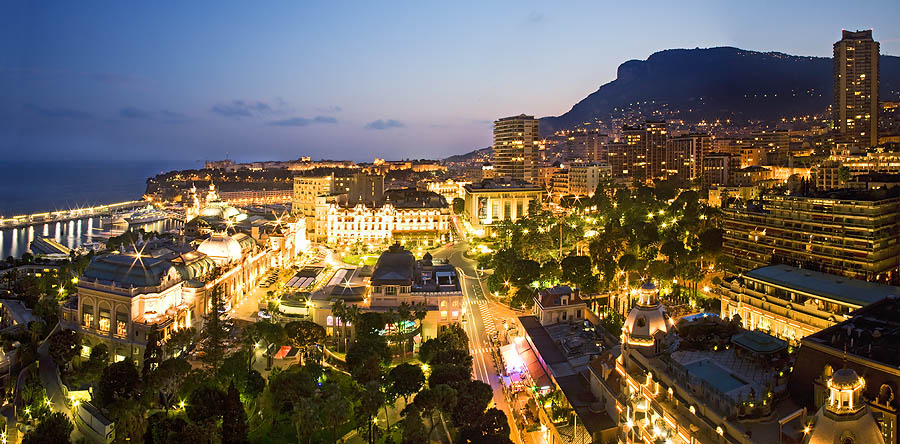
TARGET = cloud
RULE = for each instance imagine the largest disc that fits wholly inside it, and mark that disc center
(303, 121)
(534, 17)
(237, 109)
(164, 116)
(64, 113)
(135, 113)
(384, 124)
(329, 109)
(173, 117)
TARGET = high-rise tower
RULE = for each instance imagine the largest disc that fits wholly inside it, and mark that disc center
(516, 145)
(855, 109)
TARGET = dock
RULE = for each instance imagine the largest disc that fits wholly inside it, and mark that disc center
(67, 215)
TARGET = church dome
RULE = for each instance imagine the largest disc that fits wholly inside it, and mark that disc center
(221, 247)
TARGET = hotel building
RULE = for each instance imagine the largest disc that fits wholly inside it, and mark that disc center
(492, 201)
(409, 216)
(856, 88)
(845, 232)
(791, 303)
(683, 387)
(868, 344)
(516, 146)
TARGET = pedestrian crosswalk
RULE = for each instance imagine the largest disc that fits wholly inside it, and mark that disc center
(486, 316)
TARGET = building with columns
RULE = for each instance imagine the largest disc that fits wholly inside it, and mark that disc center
(492, 201)
(168, 286)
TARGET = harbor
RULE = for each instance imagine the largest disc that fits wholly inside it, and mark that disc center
(26, 220)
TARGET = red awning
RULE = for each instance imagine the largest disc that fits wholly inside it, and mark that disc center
(282, 352)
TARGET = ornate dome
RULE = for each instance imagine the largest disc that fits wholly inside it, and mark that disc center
(647, 319)
(845, 378)
(221, 247)
(212, 211)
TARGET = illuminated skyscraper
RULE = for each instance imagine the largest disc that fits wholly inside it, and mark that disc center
(516, 145)
(856, 88)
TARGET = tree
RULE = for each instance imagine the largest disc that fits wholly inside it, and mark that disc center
(205, 404)
(34, 396)
(167, 379)
(303, 334)
(234, 419)
(63, 347)
(490, 428)
(119, 381)
(370, 401)
(471, 400)
(459, 205)
(306, 418)
(578, 270)
(153, 353)
(366, 357)
(440, 398)
(405, 380)
(180, 340)
(336, 408)
(274, 336)
(55, 428)
(215, 332)
(455, 376)
(413, 429)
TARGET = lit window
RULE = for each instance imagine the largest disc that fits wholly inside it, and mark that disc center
(85, 351)
(443, 314)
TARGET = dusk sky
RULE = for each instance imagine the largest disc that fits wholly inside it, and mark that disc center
(348, 80)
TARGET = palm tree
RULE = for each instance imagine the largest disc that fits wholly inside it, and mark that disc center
(339, 310)
(419, 312)
(404, 313)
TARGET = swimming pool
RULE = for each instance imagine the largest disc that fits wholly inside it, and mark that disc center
(714, 374)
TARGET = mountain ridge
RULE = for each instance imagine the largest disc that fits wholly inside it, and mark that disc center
(718, 83)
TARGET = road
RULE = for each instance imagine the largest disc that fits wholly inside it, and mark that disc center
(480, 313)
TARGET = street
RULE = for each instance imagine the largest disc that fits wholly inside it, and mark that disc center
(481, 323)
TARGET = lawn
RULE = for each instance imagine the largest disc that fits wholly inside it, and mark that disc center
(355, 259)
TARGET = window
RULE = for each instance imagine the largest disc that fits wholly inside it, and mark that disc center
(444, 314)
(121, 324)
(390, 290)
(85, 351)
(87, 316)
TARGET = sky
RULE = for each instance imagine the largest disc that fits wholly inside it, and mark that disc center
(276, 80)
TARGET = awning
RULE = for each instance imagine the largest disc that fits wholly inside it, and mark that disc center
(511, 359)
(282, 352)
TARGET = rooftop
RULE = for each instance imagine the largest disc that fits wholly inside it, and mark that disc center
(826, 286)
(394, 267)
(758, 342)
(553, 297)
(502, 184)
(872, 333)
(127, 270)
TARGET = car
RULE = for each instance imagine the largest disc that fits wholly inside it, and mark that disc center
(264, 314)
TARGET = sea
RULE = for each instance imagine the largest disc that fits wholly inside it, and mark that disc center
(28, 187)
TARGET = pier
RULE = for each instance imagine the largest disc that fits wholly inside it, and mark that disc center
(67, 215)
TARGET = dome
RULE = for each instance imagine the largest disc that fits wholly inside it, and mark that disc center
(845, 378)
(221, 247)
(648, 286)
(212, 212)
(231, 212)
(645, 322)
